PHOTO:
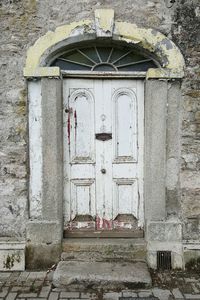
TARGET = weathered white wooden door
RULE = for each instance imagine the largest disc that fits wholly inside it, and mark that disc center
(103, 156)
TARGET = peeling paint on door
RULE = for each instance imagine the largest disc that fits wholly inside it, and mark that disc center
(103, 224)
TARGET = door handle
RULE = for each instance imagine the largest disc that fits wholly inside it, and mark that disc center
(103, 171)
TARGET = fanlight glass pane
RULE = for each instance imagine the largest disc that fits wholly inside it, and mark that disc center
(104, 53)
(103, 59)
(104, 67)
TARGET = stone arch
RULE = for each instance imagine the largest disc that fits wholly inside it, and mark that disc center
(104, 26)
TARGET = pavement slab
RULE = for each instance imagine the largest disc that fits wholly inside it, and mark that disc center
(140, 298)
(170, 288)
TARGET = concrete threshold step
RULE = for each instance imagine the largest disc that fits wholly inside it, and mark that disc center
(104, 249)
(101, 275)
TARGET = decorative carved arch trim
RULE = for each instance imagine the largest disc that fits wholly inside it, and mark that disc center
(104, 26)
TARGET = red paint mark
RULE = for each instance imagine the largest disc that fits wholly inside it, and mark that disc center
(68, 128)
(75, 120)
(103, 224)
(98, 221)
(107, 224)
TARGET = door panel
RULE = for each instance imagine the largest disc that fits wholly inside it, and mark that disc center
(81, 125)
(82, 198)
(125, 191)
(103, 155)
(125, 125)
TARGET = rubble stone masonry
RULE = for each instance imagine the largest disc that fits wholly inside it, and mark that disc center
(22, 22)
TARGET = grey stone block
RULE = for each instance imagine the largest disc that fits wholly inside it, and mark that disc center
(101, 274)
(43, 231)
(164, 231)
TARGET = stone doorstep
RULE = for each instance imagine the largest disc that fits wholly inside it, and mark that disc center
(12, 255)
(92, 243)
(88, 249)
(94, 275)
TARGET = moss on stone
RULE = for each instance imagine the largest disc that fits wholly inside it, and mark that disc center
(194, 93)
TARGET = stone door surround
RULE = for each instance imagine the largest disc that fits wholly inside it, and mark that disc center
(162, 129)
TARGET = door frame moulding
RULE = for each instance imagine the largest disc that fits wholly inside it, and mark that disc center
(45, 228)
(93, 74)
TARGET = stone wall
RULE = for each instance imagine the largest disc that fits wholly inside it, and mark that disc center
(186, 35)
(22, 23)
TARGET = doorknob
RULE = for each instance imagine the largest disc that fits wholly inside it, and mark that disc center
(103, 171)
(69, 110)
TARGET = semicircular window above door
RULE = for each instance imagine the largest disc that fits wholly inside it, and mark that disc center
(97, 58)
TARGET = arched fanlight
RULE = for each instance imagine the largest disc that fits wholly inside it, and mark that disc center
(97, 58)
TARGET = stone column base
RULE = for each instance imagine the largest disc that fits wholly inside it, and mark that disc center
(43, 248)
(165, 236)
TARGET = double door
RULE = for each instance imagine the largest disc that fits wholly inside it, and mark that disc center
(103, 157)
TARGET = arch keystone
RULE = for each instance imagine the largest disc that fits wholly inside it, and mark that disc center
(104, 22)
